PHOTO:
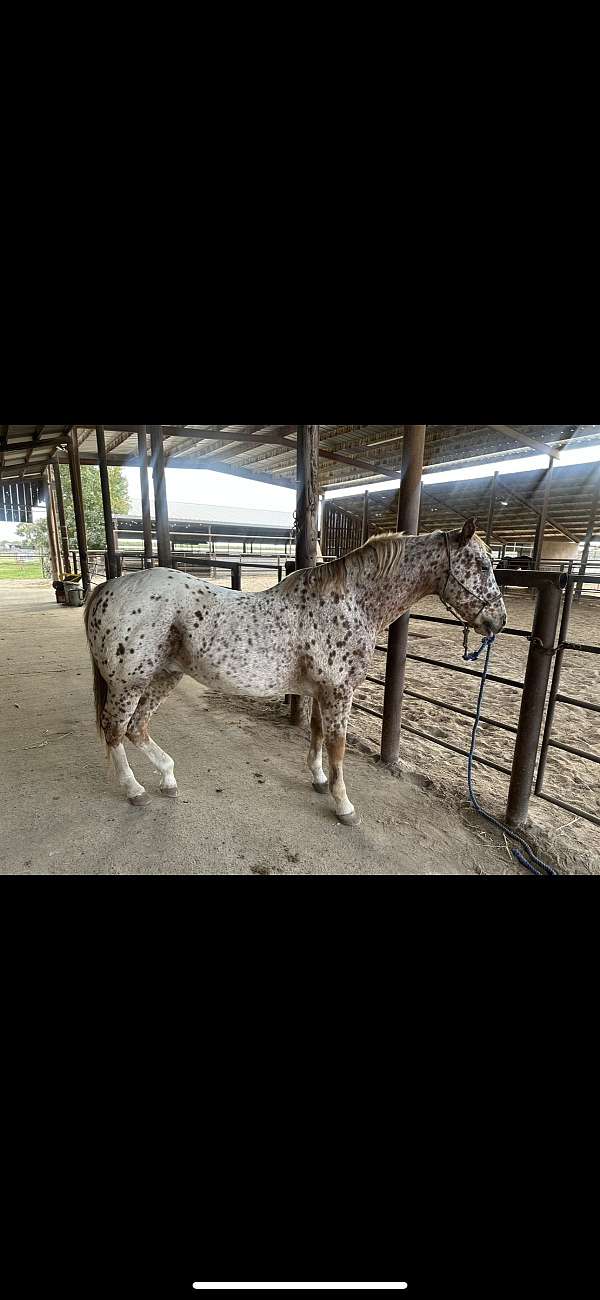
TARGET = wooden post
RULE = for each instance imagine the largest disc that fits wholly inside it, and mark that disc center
(307, 508)
(163, 536)
(490, 523)
(77, 490)
(538, 545)
(146, 515)
(408, 521)
(52, 538)
(106, 503)
(590, 533)
(365, 518)
(60, 504)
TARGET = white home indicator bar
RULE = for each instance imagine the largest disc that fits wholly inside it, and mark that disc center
(300, 1286)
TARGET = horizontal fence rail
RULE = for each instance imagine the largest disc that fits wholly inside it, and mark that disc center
(559, 578)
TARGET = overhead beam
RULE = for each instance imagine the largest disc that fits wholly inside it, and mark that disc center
(535, 511)
(185, 462)
(35, 441)
(525, 440)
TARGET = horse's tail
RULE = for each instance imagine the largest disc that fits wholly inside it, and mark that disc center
(100, 686)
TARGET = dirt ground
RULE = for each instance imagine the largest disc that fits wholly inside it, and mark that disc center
(246, 805)
(572, 843)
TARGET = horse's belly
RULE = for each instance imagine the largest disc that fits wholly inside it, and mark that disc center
(238, 683)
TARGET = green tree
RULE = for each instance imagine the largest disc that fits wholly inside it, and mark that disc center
(36, 535)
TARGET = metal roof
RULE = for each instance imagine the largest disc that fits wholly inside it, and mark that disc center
(349, 454)
(517, 508)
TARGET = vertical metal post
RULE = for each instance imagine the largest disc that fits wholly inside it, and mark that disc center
(408, 520)
(236, 577)
(538, 545)
(490, 523)
(160, 496)
(52, 538)
(562, 637)
(365, 518)
(590, 533)
(307, 512)
(106, 503)
(54, 516)
(60, 503)
(145, 490)
(539, 663)
(77, 490)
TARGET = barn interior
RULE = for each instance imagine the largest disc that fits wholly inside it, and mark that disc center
(352, 481)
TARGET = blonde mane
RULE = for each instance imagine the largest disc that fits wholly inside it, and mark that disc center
(332, 577)
(388, 548)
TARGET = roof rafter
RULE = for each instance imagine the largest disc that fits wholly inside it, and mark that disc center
(525, 439)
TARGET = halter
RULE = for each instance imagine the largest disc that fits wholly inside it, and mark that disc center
(451, 574)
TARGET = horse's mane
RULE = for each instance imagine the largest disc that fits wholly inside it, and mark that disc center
(332, 577)
(388, 549)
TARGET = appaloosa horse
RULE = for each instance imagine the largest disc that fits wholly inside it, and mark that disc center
(314, 634)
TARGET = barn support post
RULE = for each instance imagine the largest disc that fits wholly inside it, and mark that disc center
(145, 490)
(408, 521)
(62, 519)
(539, 663)
(590, 533)
(307, 520)
(112, 565)
(365, 519)
(538, 544)
(160, 496)
(55, 522)
(52, 538)
(77, 490)
(490, 522)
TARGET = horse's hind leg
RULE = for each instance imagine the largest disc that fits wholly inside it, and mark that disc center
(315, 753)
(161, 685)
(335, 712)
(118, 709)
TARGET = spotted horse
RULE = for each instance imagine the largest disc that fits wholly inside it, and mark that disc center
(313, 634)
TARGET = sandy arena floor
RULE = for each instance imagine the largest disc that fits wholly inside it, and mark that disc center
(246, 805)
(572, 842)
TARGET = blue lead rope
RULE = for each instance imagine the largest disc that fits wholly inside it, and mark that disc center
(531, 858)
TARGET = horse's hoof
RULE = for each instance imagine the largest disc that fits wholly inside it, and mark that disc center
(169, 791)
(349, 819)
(321, 787)
(140, 800)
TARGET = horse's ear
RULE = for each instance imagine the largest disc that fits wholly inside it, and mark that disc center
(467, 531)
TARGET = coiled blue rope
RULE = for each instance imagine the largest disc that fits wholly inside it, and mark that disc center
(531, 861)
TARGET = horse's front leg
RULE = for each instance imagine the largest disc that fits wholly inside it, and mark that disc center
(335, 713)
(315, 753)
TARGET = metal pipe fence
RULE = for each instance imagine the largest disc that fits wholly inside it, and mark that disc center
(549, 588)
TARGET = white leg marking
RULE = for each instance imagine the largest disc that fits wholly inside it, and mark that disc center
(315, 764)
(160, 760)
(340, 798)
(125, 777)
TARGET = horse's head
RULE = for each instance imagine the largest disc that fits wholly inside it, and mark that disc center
(468, 585)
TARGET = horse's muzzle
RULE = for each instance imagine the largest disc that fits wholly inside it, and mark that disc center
(491, 620)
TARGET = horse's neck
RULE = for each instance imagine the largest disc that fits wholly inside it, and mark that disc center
(418, 575)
